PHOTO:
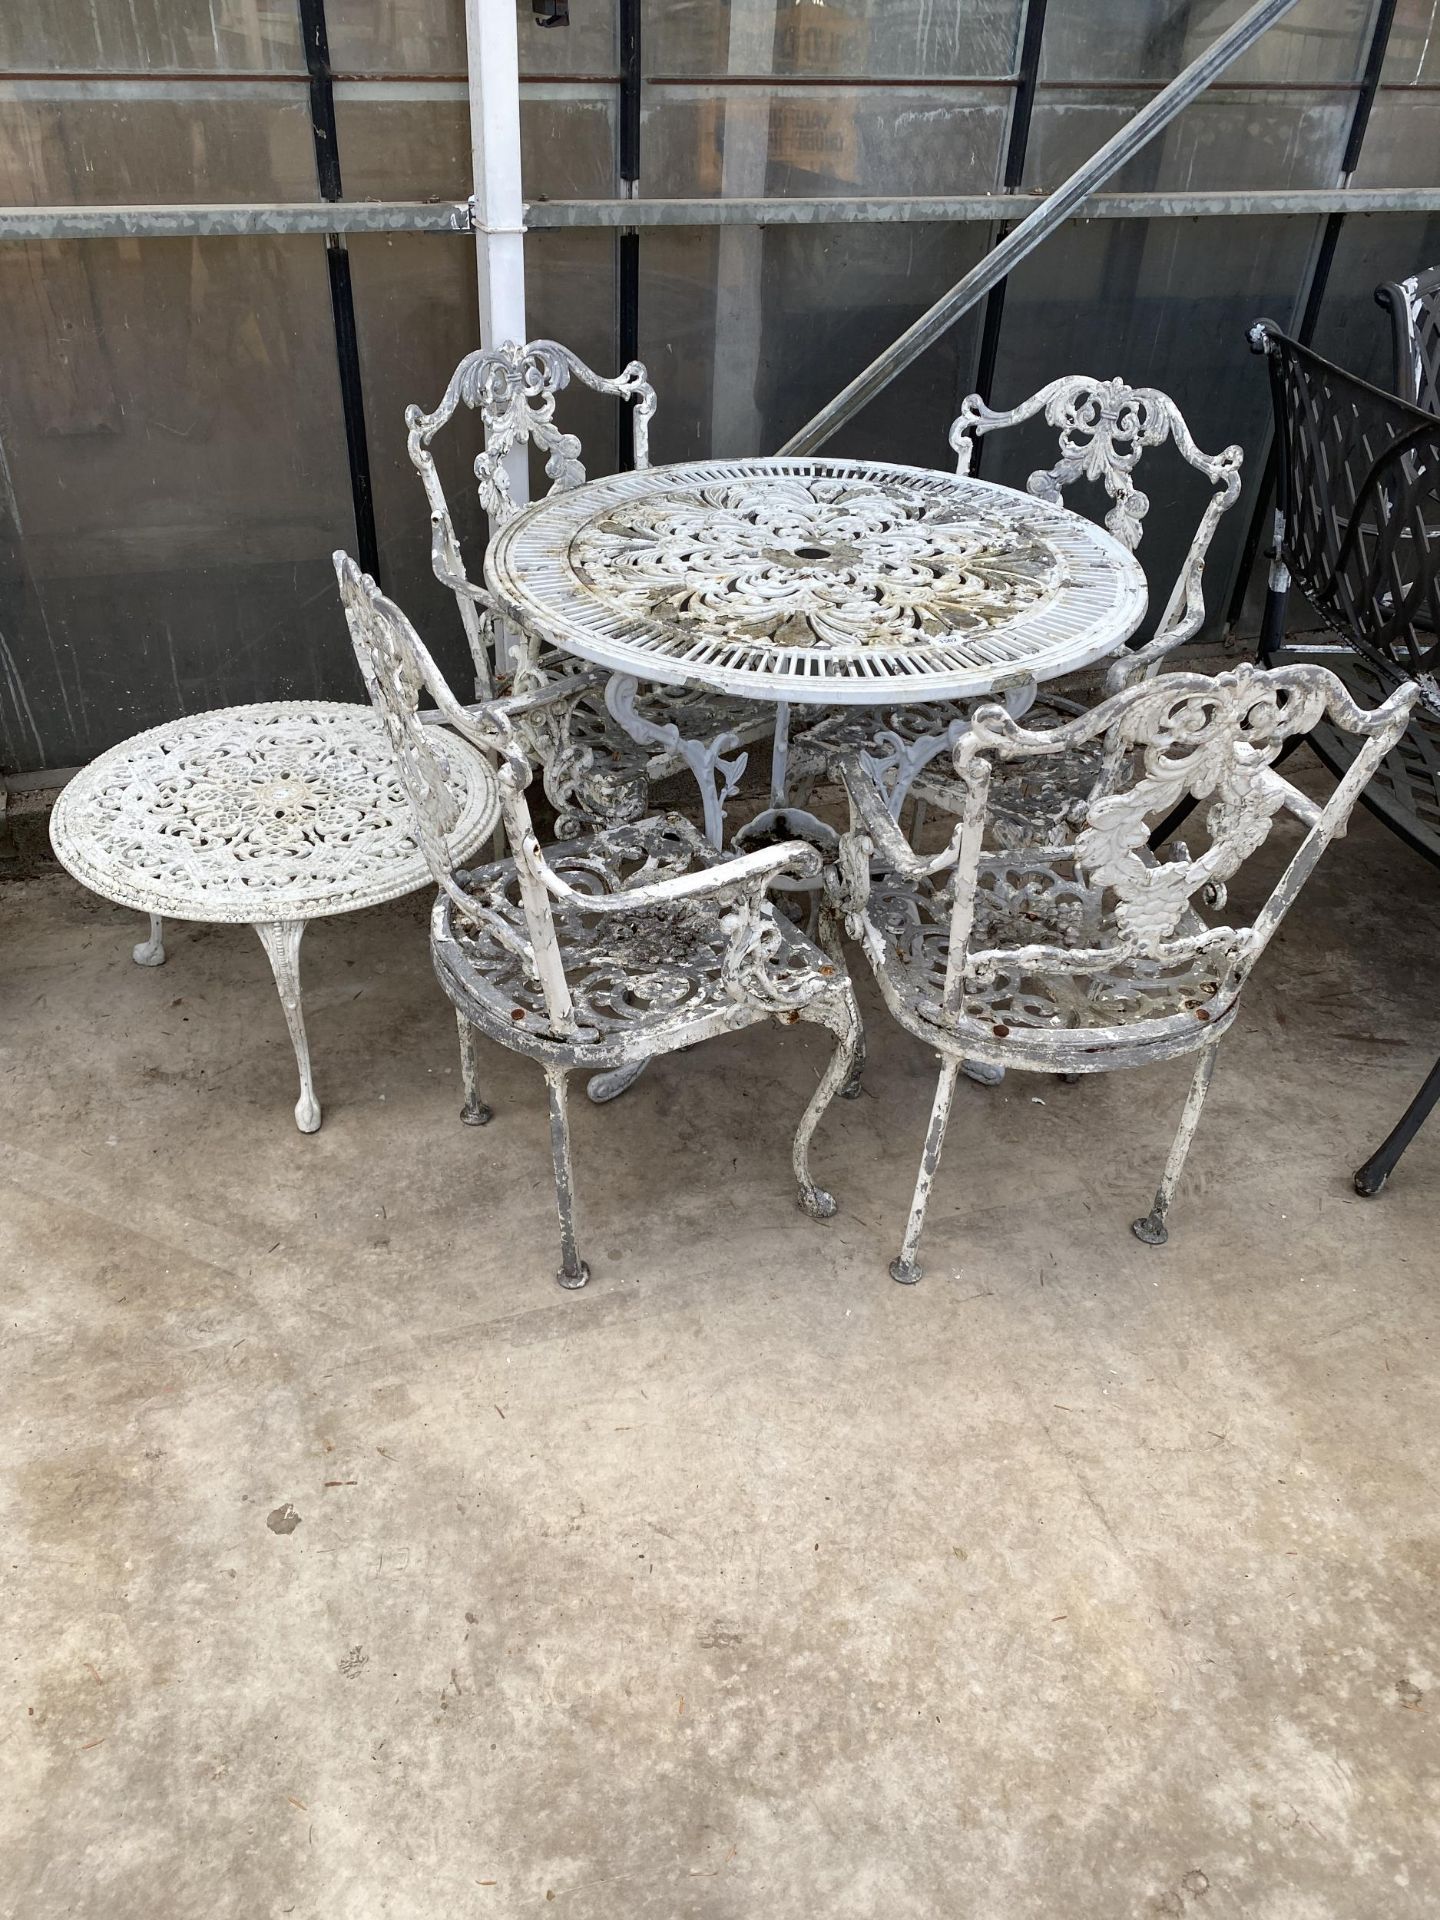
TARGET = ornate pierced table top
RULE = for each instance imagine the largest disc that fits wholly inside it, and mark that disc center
(815, 580)
(285, 811)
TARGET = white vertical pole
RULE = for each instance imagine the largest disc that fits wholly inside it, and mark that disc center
(493, 52)
(735, 419)
(492, 49)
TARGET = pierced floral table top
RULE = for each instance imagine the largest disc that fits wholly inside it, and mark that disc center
(816, 580)
(285, 811)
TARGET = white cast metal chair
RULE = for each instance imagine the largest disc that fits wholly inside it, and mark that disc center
(593, 768)
(1105, 426)
(631, 941)
(1091, 953)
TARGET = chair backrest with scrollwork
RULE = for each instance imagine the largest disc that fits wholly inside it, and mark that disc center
(1105, 426)
(514, 389)
(397, 668)
(1101, 909)
(1414, 309)
(1357, 505)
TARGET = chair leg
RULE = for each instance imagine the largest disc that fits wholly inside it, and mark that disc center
(842, 1016)
(151, 952)
(281, 941)
(1370, 1178)
(1151, 1229)
(573, 1270)
(475, 1112)
(907, 1269)
(829, 939)
(609, 1085)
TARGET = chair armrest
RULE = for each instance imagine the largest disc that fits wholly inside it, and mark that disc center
(515, 706)
(1136, 663)
(489, 724)
(446, 566)
(748, 871)
(870, 815)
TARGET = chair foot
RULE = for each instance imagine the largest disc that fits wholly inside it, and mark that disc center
(819, 1204)
(151, 952)
(1152, 1229)
(281, 941)
(1369, 1181)
(601, 1087)
(570, 1281)
(475, 1113)
(983, 1075)
(907, 1272)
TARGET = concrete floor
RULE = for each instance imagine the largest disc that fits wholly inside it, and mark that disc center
(354, 1570)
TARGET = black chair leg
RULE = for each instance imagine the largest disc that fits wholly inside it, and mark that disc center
(1382, 1163)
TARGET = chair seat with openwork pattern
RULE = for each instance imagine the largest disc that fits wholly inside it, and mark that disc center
(1017, 1011)
(1032, 803)
(642, 983)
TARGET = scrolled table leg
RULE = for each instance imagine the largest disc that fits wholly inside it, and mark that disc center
(281, 941)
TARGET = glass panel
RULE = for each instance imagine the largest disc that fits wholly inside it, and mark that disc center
(428, 36)
(174, 480)
(589, 45)
(415, 311)
(1320, 40)
(150, 36)
(411, 141)
(873, 39)
(1224, 141)
(76, 143)
(748, 332)
(397, 36)
(1413, 53)
(1352, 330)
(701, 141)
(1400, 141)
(568, 142)
(1163, 304)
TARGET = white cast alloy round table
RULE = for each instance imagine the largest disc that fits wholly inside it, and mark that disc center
(813, 582)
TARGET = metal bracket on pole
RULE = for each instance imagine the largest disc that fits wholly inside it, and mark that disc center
(1050, 214)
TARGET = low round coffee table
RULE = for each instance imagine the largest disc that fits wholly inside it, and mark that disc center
(266, 816)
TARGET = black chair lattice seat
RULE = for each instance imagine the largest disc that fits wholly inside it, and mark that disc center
(1357, 530)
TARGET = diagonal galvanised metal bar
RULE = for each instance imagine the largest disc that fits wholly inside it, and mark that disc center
(1047, 216)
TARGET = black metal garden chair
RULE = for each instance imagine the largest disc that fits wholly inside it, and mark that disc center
(1414, 309)
(1357, 530)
